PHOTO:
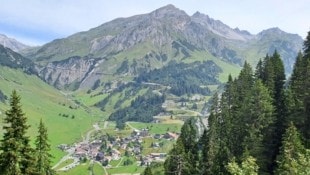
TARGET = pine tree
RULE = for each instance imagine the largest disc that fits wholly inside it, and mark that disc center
(188, 138)
(259, 117)
(292, 157)
(248, 167)
(299, 111)
(242, 90)
(43, 164)
(176, 163)
(259, 72)
(273, 79)
(307, 46)
(211, 136)
(16, 155)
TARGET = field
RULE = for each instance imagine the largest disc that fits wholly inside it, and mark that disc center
(157, 128)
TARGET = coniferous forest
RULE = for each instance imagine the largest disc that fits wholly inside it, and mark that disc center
(259, 124)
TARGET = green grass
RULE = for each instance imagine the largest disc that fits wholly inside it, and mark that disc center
(158, 128)
(114, 163)
(82, 169)
(65, 163)
(40, 100)
(148, 149)
(98, 169)
(126, 169)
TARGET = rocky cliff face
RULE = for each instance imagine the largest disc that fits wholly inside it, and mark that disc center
(69, 72)
(144, 42)
(12, 43)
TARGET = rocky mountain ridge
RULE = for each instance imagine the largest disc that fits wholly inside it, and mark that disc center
(14, 60)
(150, 41)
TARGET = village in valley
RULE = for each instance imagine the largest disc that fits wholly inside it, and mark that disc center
(106, 148)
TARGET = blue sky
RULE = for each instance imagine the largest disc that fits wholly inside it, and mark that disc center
(36, 22)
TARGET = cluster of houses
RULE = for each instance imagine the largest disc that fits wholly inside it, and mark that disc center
(130, 145)
(93, 151)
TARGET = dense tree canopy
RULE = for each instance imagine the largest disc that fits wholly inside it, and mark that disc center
(251, 123)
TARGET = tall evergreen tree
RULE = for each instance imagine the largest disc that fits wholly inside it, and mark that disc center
(210, 138)
(177, 161)
(259, 117)
(16, 155)
(291, 159)
(43, 163)
(273, 79)
(307, 46)
(242, 89)
(259, 72)
(299, 111)
(188, 138)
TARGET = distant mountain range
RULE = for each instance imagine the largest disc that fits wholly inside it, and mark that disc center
(142, 43)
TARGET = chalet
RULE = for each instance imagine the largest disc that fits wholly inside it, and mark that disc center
(170, 135)
(157, 156)
(79, 152)
(144, 132)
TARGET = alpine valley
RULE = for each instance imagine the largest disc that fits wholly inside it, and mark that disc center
(148, 72)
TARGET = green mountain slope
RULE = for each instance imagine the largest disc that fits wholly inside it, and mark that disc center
(65, 120)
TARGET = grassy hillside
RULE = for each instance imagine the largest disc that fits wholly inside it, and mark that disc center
(65, 120)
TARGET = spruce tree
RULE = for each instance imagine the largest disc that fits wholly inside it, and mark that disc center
(43, 163)
(243, 85)
(299, 111)
(259, 117)
(259, 72)
(16, 155)
(307, 46)
(273, 79)
(188, 138)
(293, 156)
(177, 161)
(248, 167)
(211, 137)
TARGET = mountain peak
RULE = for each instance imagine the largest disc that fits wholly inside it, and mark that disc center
(168, 10)
(168, 7)
(12, 43)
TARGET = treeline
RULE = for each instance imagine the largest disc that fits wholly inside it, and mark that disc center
(17, 157)
(142, 109)
(184, 78)
(258, 125)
